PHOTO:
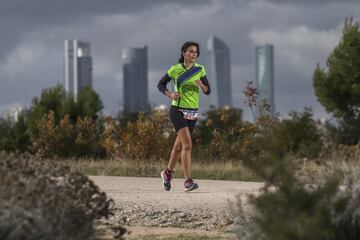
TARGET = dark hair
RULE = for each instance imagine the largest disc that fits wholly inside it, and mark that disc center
(185, 46)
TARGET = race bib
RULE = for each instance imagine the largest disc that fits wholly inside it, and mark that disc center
(190, 114)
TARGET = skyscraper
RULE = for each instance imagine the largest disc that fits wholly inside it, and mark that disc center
(265, 76)
(78, 66)
(135, 70)
(219, 73)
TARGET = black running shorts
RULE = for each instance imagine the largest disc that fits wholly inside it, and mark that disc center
(179, 121)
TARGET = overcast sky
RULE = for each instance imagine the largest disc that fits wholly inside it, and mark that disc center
(33, 32)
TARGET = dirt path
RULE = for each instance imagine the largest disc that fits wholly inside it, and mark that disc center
(142, 203)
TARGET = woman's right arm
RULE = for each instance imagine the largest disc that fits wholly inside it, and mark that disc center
(163, 82)
(162, 87)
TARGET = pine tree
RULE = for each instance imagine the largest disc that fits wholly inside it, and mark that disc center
(338, 87)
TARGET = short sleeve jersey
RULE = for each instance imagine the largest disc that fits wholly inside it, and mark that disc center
(184, 84)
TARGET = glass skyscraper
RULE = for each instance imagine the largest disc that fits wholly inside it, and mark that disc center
(219, 74)
(265, 77)
(135, 76)
(78, 66)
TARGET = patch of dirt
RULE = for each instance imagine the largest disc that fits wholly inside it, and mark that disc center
(142, 206)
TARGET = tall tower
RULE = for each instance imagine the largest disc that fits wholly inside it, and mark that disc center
(78, 66)
(135, 70)
(219, 73)
(265, 76)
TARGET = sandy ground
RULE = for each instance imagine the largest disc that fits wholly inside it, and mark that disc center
(212, 196)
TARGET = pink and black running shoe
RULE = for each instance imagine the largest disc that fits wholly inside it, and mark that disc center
(166, 178)
(190, 185)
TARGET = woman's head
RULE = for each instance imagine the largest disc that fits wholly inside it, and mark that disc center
(190, 51)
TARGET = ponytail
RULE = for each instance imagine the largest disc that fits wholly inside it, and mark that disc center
(181, 60)
(185, 46)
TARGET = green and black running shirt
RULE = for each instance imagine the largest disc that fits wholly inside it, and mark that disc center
(184, 83)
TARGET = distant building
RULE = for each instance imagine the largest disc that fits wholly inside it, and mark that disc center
(219, 74)
(78, 66)
(265, 77)
(135, 72)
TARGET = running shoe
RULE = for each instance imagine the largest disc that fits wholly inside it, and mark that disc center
(190, 185)
(166, 178)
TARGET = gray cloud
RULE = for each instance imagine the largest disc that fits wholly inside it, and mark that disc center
(55, 10)
(31, 50)
(20, 16)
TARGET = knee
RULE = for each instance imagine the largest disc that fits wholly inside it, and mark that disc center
(187, 146)
(177, 147)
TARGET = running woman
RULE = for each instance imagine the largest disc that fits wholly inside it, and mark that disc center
(188, 77)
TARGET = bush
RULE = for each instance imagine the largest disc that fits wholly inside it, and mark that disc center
(44, 200)
(55, 99)
(220, 119)
(347, 225)
(217, 135)
(299, 134)
(67, 139)
(288, 208)
(149, 138)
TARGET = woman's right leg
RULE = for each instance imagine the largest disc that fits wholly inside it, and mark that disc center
(175, 154)
(166, 174)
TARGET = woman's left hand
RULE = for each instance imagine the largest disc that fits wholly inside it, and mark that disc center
(203, 87)
(198, 82)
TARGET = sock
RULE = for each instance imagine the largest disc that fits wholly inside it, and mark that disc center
(188, 180)
(168, 171)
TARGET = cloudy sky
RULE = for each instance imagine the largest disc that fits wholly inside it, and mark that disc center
(33, 32)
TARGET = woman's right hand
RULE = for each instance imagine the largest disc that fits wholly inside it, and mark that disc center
(174, 95)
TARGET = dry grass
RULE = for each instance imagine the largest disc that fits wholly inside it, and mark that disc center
(306, 169)
(200, 170)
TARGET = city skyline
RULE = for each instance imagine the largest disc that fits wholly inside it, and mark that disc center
(135, 70)
(33, 34)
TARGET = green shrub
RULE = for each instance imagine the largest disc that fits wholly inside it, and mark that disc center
(347, 225)
(288, 208)
(299, 134)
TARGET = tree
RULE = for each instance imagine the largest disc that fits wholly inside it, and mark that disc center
(51, 99)
(13, 134)
(88, 104)
(75, 124)
(338, 87)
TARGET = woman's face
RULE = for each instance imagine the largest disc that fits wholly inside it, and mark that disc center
(191, 54)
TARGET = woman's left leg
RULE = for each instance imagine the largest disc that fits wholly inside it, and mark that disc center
(186, 143)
